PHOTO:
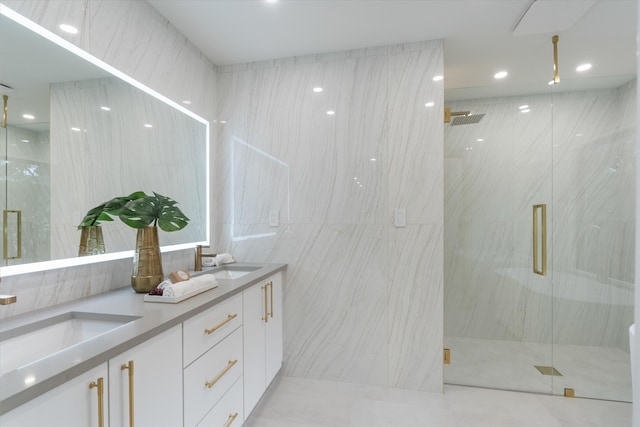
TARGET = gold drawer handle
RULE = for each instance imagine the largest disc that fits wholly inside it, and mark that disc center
(221, 324)
(99, 384)
(213, 382)
(124, 367)
(232, 418)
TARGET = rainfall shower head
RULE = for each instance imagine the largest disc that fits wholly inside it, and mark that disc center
(461, 117)
(466, 120)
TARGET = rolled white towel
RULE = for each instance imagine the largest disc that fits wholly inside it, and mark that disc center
(181, 288)
(223, 258)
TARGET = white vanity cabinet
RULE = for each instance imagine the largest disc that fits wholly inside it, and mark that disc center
(80, 402)
(262, 305)
(145, 383)
(213, 361)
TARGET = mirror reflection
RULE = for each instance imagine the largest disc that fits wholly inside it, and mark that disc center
(79, 134)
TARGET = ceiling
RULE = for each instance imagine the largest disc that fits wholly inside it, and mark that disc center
(479, 36)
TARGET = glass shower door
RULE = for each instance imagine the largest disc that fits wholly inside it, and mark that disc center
(498, 312)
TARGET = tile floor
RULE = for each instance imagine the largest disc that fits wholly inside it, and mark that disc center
(593, 372)
(296, 402)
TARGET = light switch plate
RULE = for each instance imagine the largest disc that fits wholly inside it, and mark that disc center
(400, 218)
(274, 218)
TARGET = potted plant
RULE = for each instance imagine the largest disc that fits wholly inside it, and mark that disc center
(146, 213)
(91, 240)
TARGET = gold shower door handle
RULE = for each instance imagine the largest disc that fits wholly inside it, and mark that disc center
(540, 239)
(5, 234)
(124, 367)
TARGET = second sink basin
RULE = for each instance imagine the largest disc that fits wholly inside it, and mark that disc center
(231, 271)
(26, 344)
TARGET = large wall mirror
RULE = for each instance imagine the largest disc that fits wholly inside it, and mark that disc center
(79, 132)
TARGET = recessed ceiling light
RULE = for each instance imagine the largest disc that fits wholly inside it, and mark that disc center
(25, 140)
(224, 122)
(526, 110)
(68, 28)
(373, 160)
(331, 112)
(438, 78)
(317, 89)
(522, 107)
(355, 178)
(105, 108)
(76, 129)
(271, 1)
(583, 67)
(186, 102)
(479, 139)
(500, 75)
(148, 125)
(429, 104)
(28, 116)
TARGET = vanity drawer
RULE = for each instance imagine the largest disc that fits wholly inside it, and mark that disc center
(208, 378)
(205, 330)
(228, 411)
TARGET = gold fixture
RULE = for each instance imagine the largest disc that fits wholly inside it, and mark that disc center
(541, 270)
(200, 255)
(5, 232)
(556, 74)
(213, 382)
(221, 324)
(129, 366)
(266, 309)
(271, 289)
(448, 114)
(447, 356)
(232, 418)
(99, 384)
(8, 299)
(548, 370)
(569, 392)
(4, 110)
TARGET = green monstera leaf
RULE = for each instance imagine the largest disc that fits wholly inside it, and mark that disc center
(156, 210)
(106, 210)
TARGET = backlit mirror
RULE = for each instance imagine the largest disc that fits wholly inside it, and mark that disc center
(78, 133)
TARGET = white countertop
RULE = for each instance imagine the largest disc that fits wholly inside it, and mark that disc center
(29, 381)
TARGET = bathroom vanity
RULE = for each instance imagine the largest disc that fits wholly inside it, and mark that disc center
(204, 361)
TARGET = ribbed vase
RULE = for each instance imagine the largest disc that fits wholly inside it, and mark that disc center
(91, 241)
(147, 261)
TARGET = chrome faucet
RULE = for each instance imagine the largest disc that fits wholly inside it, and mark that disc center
(8, 299)
(200, 255)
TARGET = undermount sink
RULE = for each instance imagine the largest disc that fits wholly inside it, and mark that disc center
(230, 271)
(28, 343)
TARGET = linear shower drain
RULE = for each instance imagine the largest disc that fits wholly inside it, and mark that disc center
(548, 370)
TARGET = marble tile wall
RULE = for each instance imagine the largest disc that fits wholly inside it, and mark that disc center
(578, 158)
(131, 36)
(363, 299)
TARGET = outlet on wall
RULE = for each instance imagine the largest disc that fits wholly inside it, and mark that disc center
(274, 218)
(400, 218)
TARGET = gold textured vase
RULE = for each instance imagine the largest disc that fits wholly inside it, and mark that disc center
(147, 261)
(91, 241)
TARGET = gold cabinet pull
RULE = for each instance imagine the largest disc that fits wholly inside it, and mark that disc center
(5, 234)
(99, 384)
(213, 382)
(266, 308)
(221, 324)
(540, 267)
(232, 418)
(129, 366)
(271, 289)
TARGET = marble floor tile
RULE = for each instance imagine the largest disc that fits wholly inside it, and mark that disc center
(296, 402)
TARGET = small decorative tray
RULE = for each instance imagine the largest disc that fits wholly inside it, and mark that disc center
(173, 300)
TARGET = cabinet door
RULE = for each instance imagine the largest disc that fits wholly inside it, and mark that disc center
(157, 382)
(72, 404)
(255, 310)
(274, 329)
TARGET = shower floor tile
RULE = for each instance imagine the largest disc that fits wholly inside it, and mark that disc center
(595, 372)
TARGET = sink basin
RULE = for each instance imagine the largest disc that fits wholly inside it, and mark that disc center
(234, 271)
(26, 344)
